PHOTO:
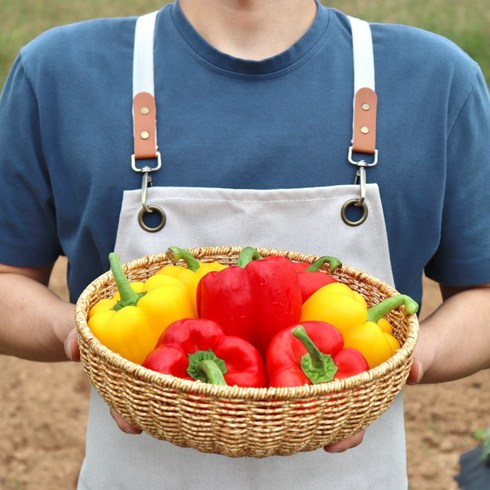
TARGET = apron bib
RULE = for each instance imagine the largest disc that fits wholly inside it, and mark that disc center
(306, 220)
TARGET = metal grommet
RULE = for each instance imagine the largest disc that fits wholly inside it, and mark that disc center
(150, 209)
(358, 203)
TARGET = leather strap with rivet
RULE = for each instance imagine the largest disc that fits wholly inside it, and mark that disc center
(364, 127)
(145, 126)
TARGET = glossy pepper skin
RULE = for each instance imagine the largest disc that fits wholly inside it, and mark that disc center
(374, 337)
(198, 349)
(311, 353)
(311, 278)
(191, 273)
(254, 299)
(363, 329)
(132, 321)
(336, 304)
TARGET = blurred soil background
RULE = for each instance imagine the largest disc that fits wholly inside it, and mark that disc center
(43, 407)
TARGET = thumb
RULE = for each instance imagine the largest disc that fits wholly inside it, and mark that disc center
(416, 373)
(72, 350)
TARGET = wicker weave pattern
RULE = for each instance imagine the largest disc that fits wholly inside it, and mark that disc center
(233, 421)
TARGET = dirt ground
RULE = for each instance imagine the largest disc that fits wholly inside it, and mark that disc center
(43, 409)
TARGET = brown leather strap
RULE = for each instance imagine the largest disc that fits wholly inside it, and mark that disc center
(365, 110)
(145, 126)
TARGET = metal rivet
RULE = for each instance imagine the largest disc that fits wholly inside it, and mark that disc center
(364, 130)
(365, 107)
(144, 135)
(145, 110)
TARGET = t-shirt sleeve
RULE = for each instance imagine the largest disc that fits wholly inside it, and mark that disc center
(27, 215)
(463, 257)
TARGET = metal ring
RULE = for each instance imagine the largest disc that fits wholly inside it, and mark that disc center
(358, 203)
(150, 209)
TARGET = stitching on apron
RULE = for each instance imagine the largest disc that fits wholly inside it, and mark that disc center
(260, 198)
(243, 200)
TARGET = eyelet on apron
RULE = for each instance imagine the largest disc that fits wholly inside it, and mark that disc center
(150, 208)
(358, 203)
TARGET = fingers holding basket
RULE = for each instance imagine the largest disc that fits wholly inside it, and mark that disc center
(71, 347)
(349, 443)
(123, 424)
(416, 372)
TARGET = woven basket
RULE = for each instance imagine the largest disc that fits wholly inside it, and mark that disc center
(234, 421)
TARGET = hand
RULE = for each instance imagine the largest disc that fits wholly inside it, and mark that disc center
(72, 352)
(72, 349)
(414, 377)
(349, 443)
(416, 373)
(123, 424)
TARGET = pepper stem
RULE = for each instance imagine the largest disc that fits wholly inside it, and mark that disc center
(333, 263)
(378, 311)
(246, 256)
(317, 366)
(128, 296)
(175, 254)
(205, 366)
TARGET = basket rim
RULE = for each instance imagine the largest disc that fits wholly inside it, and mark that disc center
(166, 381)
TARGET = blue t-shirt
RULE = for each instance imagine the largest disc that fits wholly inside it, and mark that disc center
(284, 122)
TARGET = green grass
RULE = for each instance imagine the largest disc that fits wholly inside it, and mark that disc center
(466, 22)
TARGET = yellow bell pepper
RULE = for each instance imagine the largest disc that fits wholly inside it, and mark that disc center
(131, 322)
(375, 345)
(363, 329)
(191, 274)
(374, 338)
(337, 304)
(387, 328)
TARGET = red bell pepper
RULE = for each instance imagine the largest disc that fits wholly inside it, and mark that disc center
(311, 278)
(254, 299)
(198, 349)
(311, 353)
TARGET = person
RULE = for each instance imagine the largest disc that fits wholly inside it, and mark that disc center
(254, 144)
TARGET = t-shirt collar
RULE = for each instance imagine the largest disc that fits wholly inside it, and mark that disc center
(298, 51)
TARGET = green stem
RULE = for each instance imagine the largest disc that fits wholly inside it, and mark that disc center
(316, 356)
(247, 255)
(212, 372)
(128, 296)
(376, 312)
(317, 366)
(175, 254)
(205, 366)
(333, 263)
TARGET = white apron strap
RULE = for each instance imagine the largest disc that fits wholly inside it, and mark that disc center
(144, 110)
(365, 99)
(145, 118)
(362, 46)
(364, 116)
(143, 79)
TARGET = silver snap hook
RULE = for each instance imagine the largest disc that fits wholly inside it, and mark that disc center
(361, 180)
(145, 183)
(146, 208)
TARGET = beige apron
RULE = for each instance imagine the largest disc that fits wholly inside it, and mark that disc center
(306, 220)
